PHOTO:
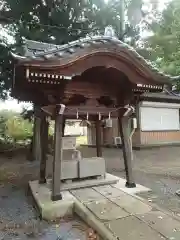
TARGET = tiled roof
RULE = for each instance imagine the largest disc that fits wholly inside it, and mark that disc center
(44, 51)
(31, 48)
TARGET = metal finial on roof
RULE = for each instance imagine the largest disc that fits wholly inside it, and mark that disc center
(109, 32)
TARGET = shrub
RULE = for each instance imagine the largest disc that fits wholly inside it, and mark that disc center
(19, 129)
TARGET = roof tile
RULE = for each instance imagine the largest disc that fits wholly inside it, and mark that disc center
(38, 50)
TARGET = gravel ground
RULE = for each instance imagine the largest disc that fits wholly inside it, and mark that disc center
(158, 169)
(18, 218)
(163, 190)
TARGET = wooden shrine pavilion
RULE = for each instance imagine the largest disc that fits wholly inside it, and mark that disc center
(94, 78)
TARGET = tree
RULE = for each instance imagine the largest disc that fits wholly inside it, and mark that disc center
(61, 21)
(13, 127)
(164, 44)
(19, 129)
(58, 22)
(2, 128)
(4, 116)
(6, 71)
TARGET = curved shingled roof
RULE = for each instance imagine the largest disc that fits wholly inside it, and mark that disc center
(43, 52)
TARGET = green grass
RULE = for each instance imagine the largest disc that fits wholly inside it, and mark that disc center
(81, 140)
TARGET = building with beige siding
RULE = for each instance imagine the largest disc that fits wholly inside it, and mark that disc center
(158, 123)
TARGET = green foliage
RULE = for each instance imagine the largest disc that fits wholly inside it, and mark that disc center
(27, 114)
(164, 45)
(4, 116)
(62, 21)
(57, 22)
(14, 128)
(2, 128)
(19, 129)
(6, 72)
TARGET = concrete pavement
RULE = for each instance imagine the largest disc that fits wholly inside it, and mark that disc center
(114, 212)
(127, 217)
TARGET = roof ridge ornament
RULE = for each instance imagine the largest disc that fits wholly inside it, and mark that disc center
(109, 32)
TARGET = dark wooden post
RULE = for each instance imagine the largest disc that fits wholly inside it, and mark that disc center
(122, 142)
(44, 127)
(98, 138)
(125, 132)
(35, 140)
(57, 161)
(63, 126)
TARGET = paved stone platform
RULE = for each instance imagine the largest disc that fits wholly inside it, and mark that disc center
(69, 185)
(116, 212)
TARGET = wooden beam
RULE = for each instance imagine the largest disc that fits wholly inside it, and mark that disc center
(43, 149)
(125, 132)
(98, 138)
(71, 111)
(57, 161)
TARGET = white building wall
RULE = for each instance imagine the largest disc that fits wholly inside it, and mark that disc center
(156, 116)
(75, 129)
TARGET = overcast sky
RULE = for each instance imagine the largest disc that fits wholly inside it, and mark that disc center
(14, 105)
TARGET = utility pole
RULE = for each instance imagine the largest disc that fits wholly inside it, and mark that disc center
(122, 20)
(134, 14)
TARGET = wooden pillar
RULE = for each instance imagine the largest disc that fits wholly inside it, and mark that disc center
(36, 139)
(36, 145)
(125, 132)
(44, 126)
(34, 153)
(98, 138)
(34, 142)
(57, 161)
(63, 126)
(122, 142)
(33, 156)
